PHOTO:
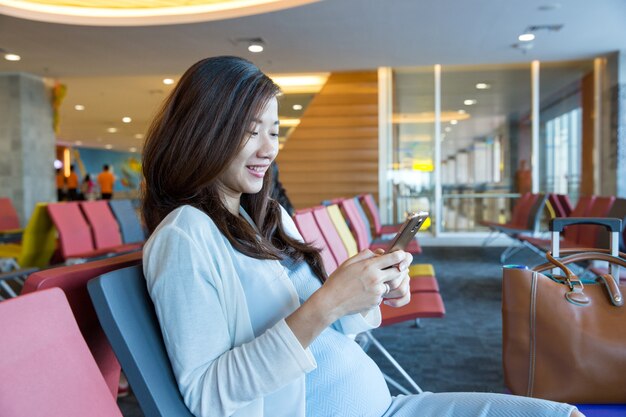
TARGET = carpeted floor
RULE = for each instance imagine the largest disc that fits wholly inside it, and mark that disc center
(460, 352)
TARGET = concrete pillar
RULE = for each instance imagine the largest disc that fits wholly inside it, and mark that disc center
(27, 142)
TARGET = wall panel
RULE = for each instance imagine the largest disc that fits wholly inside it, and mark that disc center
(333, 152)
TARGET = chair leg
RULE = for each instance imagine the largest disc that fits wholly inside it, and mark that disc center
(390, 358)
(508, 252)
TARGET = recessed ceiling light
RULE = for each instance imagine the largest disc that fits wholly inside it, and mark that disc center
(139, 136)
(548, 7)
(448, 129)
(461, 111)
(526, 37)
(12, 57)
(108, 146)
(469, 102)
(483, 86)
(112, 130)
(79, 107)
(168, 81)
(133, 149)
(57, 164)
(78, 142)
(297, 107)
(126, 119)
(453, 122)
(255, 48)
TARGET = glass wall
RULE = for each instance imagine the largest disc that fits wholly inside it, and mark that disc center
(566, 104)
(411, 177)
(486, 139)
(480, 145)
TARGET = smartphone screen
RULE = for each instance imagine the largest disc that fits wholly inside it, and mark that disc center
(407, 231)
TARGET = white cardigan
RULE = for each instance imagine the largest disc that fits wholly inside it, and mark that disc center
(192, 274)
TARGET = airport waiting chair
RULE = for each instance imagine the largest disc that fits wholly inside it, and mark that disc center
(46, 367)
(75, 239)
(343, 245)
(305, 222)
(72, 280)
(127, 315)
(130, 224)
(38, 241)
(579, 236)
(566, 205)
(18, 260)
(10, 230)
(360, 230)
(367, 200)
(104, 228)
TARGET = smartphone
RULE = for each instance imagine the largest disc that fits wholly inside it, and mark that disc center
(407, 231)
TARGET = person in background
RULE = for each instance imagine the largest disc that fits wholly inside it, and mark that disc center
(252, 323)
(72, 185)
(86, 188)
(60, 180)
(106, 181)
(279, 193)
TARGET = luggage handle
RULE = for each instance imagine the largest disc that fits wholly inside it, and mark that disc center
(576, 294)
(611, 224)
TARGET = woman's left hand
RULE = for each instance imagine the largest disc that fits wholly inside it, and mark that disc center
(399, 289)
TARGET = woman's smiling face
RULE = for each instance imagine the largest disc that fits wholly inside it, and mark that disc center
(246, 172)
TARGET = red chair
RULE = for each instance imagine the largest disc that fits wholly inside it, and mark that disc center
(577, 236)
(9, 220)
(46, 366)
(73, 281)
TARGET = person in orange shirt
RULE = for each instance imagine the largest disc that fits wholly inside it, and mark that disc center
(105, 181)
(72, 185)
(60, 178)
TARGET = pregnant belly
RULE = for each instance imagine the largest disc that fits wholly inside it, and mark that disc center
(346, 381)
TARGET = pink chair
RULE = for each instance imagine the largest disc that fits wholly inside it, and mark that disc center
(72, 280)
(359, 229)
(312, 235)
(104, 227)
(75, 239)
(45, 364)
(367, 200)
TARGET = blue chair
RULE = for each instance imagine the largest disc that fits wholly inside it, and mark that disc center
(130, 225)
(127, 316)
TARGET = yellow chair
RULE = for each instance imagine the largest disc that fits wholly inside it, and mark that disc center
(38, 241)
(421, 270)
(342, 228)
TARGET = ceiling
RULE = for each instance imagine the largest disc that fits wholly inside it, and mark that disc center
(118, 71)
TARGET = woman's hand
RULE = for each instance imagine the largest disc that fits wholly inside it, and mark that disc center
(399, 289)
(357, 285)
(362, 281)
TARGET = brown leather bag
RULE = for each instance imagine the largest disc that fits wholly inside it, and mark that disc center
(564, 341)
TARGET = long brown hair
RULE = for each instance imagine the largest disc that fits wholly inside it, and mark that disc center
(198, 132)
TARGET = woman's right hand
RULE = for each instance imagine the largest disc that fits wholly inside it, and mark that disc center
(359, 283)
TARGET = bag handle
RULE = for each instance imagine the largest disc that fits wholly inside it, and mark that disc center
(576, 294)
(597, 254)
